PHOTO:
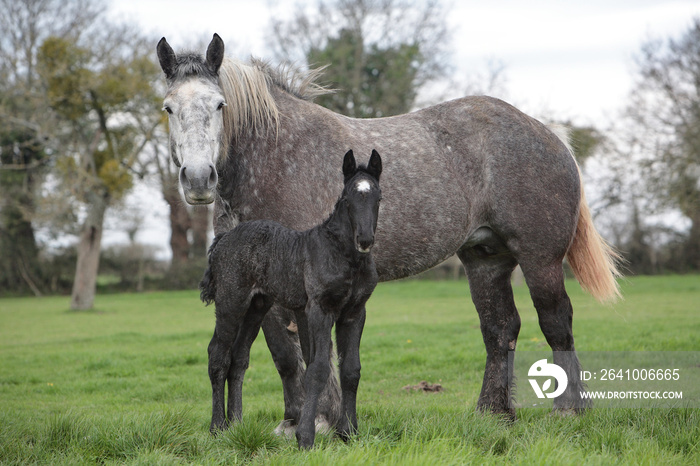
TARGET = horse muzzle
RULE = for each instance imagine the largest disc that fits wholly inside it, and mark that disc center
(199, 183)
(364, 245)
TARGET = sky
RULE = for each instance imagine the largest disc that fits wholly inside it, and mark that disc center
(562, 60)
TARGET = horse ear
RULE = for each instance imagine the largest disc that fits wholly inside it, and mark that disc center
(375, 164)
(215, 53)
(167, 58)
(349, 165)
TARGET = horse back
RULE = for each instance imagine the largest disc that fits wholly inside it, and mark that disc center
(261, 256)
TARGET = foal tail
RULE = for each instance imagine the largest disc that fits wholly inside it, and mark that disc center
(593, 261)
(208, 284)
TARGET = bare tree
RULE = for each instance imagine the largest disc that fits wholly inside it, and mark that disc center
(664, 129)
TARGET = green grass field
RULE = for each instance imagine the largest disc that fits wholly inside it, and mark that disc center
(127, 383)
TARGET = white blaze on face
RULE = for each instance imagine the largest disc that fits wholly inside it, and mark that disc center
(195, 121)
(363, 186)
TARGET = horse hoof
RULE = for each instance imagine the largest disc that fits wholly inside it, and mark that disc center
(568, 412)
(506, 414)
(286, 428)
(305, 442)
(322, 425)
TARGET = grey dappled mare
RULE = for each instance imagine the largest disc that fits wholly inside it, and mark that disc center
(473, 176)
(324, 275)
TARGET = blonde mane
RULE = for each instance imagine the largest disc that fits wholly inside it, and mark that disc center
(250, 105)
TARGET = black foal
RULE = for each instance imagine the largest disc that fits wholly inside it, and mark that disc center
(325, 275)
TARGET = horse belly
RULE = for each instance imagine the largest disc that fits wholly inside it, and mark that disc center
(423, 223)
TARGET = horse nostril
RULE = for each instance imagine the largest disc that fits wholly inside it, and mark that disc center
(184, 181)
(213, 177)
(365, 244)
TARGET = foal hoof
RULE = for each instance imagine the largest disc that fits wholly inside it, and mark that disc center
(215, 429)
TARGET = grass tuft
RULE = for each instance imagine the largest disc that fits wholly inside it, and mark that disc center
(251, 438)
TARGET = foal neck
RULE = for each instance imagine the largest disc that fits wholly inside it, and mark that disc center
(338, 227)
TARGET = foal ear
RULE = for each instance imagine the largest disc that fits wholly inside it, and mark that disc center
(215, 53)
(167, 58)
(375, 165)
(349, 165)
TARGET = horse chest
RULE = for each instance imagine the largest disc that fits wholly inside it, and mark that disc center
(345, 291)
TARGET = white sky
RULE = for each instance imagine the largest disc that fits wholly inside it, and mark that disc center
(564, 60)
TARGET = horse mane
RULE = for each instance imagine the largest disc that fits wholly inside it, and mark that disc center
(247, 91)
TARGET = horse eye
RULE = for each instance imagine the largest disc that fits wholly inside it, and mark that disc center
(221, 105)
(168, 109)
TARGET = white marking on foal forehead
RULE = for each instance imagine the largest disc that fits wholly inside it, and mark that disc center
(363, 186)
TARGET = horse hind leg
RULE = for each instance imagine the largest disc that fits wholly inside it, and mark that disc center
(489, 267)
(284, 333)
(220, 349)
(555, 314)
(240, 353)
(282, 337)
(318, 372)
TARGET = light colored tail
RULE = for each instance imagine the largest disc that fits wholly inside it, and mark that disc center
(593, 261)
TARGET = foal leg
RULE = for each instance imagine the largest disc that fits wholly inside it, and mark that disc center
(491, 292)
(317, 372)
(348, 332)
(546, 284)
(219, 364)
(240, 354)
(282, 337)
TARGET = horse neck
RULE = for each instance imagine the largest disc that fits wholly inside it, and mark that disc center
(260, 162)
(337, 229)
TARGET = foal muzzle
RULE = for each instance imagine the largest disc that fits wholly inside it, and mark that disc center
(364, 245)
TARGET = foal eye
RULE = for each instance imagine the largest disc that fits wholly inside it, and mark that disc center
(168, 109)
(221, 105)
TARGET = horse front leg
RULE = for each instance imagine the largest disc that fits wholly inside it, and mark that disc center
(318, 371)
(348, 333)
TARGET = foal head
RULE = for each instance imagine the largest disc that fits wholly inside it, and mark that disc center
(361, 196)
(194, 103)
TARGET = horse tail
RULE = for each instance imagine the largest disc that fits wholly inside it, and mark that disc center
(207, 286)
(593, 261)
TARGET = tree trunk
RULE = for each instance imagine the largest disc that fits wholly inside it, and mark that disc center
(85, 282)
(692, 248)
(20, 269)
(200, 228)
(179, 225)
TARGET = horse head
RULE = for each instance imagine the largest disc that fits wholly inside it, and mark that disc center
(361, 195)
(194, 103)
